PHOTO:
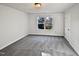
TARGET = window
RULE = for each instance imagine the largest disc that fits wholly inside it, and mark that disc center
(44, 22)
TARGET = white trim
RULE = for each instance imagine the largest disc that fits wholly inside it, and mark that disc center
(13, 42)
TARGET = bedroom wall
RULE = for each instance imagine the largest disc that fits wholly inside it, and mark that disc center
(58, 24)
(74, 26)
(13, 25)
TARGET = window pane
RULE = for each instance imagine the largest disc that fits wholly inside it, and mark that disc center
(41, 26)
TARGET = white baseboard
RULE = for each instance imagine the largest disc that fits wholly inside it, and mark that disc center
(13, 42)
(73, 46)
(45, 34)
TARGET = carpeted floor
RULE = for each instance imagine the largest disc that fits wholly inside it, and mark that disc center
(33, 45)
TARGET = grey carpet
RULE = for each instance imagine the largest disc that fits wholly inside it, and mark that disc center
(33, 45)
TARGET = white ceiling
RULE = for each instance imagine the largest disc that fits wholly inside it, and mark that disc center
(47, 7)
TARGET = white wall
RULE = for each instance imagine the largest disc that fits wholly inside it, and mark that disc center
(13, 25)
(73, 15)
(57, 29)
